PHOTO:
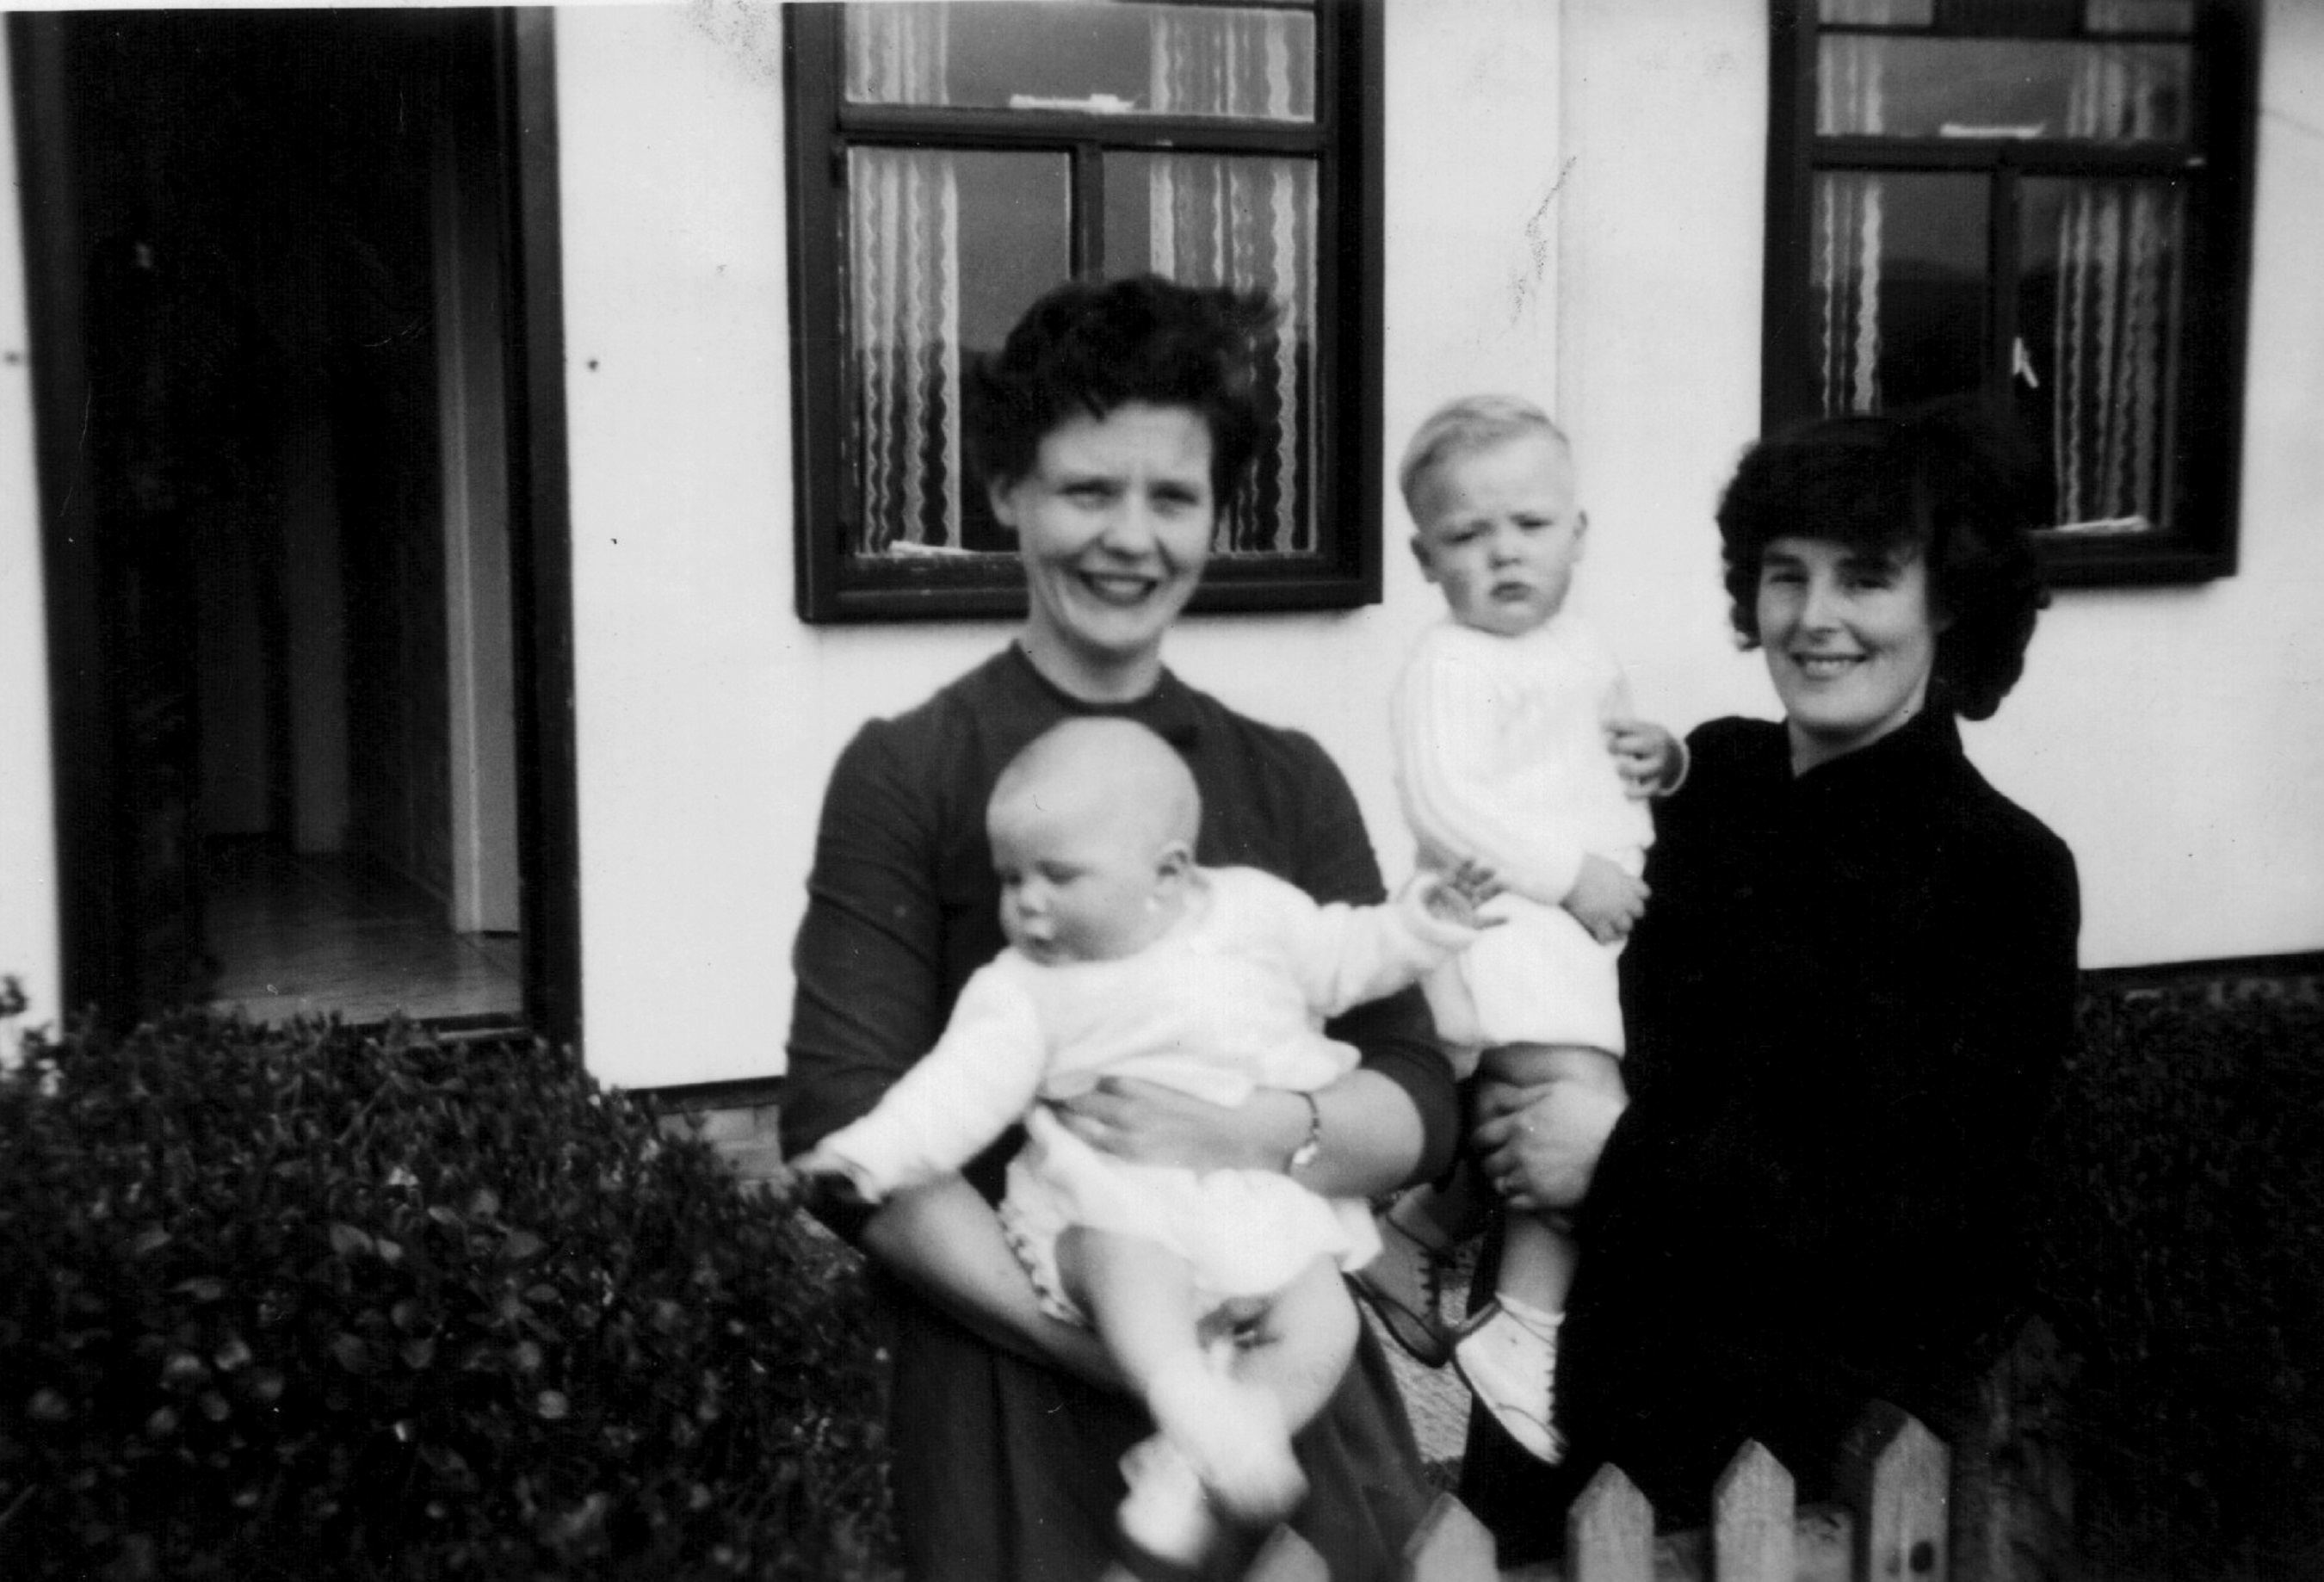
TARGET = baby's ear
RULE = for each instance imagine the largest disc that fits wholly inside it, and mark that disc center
(1174, 865)
(1420, 553)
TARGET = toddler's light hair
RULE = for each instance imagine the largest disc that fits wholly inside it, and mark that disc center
(1462, 428)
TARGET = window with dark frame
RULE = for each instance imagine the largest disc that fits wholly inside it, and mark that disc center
(2046, 200)
(951, 163)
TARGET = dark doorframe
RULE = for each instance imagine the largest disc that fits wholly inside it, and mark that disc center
(541, 528)
(112, 845)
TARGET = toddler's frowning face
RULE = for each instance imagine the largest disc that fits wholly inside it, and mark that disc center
(1500, 532)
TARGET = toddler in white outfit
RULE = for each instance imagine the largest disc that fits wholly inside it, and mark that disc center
(1515, 749)
(1125, 958)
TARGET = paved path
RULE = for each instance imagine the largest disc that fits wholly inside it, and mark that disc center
(1436, 1399)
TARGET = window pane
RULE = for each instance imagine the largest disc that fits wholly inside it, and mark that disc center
(1112, 60)
(2042, 18)
(2139, 16)
(1209, 220)
(2098, 354)
(1876, 13)
(1897, 272)
(1874, 86)
(944, 250)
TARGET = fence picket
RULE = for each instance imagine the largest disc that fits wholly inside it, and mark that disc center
(1751, 1531)
(1451, 1545)
(1609, 1532)
(1894, 1474)
(1898, 1475)
(1285, 1557)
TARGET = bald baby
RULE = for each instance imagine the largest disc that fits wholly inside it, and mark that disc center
(1092, 828)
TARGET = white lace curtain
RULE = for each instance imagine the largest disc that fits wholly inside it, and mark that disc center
(1244, 222)
(1211, 220)
(903, 249)
(2117, 250)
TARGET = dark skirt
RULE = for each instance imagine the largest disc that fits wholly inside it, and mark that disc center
(1008, 1470)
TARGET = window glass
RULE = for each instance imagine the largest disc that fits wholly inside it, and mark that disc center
(1218, 220)
(2139, 16)
(2098, 313)
(1876, 13)
(1897, 272)
(2037, 17)
(1870, 85)
(946, 250)
(1109, 59)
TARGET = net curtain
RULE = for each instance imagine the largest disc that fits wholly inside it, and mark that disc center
(1246, 223)
(904, 297)
(2117, 253)
(1211, 220)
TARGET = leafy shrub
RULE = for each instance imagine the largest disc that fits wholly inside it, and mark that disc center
(2184, 1260)
(288, 1303)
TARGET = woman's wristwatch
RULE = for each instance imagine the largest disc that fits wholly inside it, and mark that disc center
(1312, 1143)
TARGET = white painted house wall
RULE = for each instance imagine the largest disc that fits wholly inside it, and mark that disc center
(1575, 200)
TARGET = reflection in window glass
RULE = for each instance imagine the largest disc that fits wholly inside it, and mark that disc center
(1869, 85)
(1897, 273)
(1876, 13)
(1114, 58)
(2139, 16)
(946, 251)
(1214, 220)
(2098, 310)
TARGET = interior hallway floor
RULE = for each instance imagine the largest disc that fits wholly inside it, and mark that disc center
(320, 935)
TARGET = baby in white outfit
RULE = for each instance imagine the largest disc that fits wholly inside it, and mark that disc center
(1125, 958)
(1515, 749)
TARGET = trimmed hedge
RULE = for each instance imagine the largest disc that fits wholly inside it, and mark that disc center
(2182, 1259)
(308, 1302)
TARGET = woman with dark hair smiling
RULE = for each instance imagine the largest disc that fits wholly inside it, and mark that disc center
(1846, 1001)
(1112, 428)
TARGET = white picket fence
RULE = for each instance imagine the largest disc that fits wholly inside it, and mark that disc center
(1895, 1521)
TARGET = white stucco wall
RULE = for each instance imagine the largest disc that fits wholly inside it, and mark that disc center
(1574, 196)
(29, 944)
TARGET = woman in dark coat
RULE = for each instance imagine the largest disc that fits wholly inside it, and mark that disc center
(1115, 420)
(1851, 989)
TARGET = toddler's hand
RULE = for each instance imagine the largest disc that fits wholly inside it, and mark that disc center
(1605, 900)
(1645, 755)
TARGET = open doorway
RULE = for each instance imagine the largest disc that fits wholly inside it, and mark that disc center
(281, 244)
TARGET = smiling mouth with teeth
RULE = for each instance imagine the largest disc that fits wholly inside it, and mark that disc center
(1118, 588)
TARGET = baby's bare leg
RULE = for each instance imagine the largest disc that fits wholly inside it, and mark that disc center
(1303, 1343)
(1140, 1296)
(1233, 1428)
(1537, 1253)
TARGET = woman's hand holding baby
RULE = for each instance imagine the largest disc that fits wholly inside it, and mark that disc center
(1145, 1123)
(1605, 900)
(1539, 1144)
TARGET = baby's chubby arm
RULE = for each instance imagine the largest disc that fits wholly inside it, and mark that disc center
(1345, 955)
(982, 1075)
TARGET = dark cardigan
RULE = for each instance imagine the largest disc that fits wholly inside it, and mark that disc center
(1845, 1004)
(1005, 1468)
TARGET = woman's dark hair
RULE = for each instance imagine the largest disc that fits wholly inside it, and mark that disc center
(1953, 481)
(1092, 346)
